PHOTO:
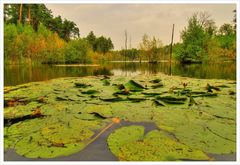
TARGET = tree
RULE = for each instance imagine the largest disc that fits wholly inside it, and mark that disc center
(151, 47)
(40, 14)
(104, 45)
(145, 45)
(69, 30)
(226, 29)
(99, 44)
(77, 51)
(29, 14)
(20, 13)
(91, 38)
(195, 37)
(227, 37)
(131, 54)
(208, 24)
(36, 14)
(11, 13)
(235, 19)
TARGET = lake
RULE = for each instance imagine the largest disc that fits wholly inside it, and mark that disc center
(19, 74)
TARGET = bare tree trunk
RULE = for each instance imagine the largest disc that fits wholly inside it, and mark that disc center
(29, 15)
(170, 68)
(20, 13)
(125, 45)
(130, 47)
(130, 42)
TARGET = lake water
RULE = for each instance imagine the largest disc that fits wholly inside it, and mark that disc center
(19, 74)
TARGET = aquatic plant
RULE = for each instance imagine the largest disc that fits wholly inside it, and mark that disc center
(62, 116)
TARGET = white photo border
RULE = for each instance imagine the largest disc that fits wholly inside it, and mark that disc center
(2, 2)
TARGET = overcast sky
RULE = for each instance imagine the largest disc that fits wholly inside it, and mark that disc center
(153, 19)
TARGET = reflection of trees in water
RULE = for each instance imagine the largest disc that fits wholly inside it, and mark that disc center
(213, 70)
(102, 71)
(136, 67)
(14, 74)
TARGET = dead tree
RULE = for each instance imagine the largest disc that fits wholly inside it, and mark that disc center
(170, 61)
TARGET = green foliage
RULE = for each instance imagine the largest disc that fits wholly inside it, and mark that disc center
(91, 38)
(151, 47)
(40, 14)
(226, 30)
(10, 34)
(22, 44)
(69, 30)
(227, 38)
(194, 40)
(227, 42)
(77, 52)
(202, 41)
(131, 54)
(104, 45)
(99, 44)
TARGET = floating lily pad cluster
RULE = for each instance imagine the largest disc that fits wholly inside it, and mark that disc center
(59, 117)
(129, 143)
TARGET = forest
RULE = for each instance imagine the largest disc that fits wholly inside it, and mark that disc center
(32, 35)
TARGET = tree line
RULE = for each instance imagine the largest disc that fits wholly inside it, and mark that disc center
(201, 41)
(33, 34)
(36, 14)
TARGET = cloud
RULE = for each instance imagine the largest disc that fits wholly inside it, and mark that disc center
(153, 19)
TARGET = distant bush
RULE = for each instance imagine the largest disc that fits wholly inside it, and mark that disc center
(99, 44)
(76, 51)
(194, 39)
(203, 41)
(22, 45)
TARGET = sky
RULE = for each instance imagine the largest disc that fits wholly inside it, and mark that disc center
(111, 20)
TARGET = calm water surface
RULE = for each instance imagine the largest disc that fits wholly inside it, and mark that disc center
(19, 74)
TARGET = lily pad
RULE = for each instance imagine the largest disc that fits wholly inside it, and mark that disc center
(90, 91)
(35, 146)
(134, 86)
(136, 98)
(172, 99)
(21, 110)
(201, 121)
(157, 80)
(203, 138)
(66, 133)
(82, 85)
(123, 136)
(156, 146)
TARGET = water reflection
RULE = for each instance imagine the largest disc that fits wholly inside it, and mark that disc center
(18, 74)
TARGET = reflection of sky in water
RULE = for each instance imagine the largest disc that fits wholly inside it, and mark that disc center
(118, 72)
